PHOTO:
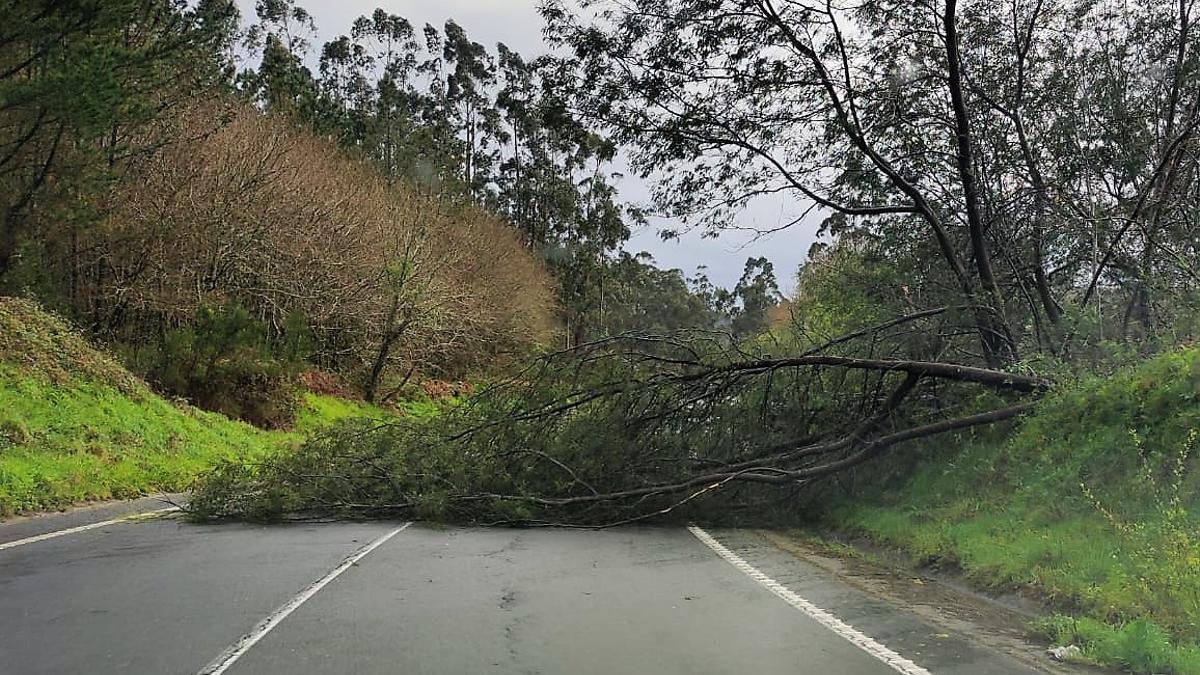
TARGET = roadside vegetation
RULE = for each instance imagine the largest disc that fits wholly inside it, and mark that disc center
(398, 204)
(77, 426)
(1091, 503)
(988, 360)
(396, 212)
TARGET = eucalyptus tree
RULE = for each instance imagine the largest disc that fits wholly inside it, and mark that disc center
(396, 132)
(282, 38)
(374, 80)
(554, 183)
(998, 143)
(421, 105)
(757, 292)
(470, 74)
(345, 82)
(638, 296)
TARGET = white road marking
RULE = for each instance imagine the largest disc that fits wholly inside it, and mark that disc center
(845, 630)
(244, 643)
(84, 528)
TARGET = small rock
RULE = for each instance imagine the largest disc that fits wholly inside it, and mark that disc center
(1064, 653)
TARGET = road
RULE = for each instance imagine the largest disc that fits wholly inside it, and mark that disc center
(161, 596)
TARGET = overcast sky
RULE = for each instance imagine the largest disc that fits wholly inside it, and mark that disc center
(517, 24)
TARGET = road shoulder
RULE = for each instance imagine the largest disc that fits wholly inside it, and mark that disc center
(956, 621)
(37, 524)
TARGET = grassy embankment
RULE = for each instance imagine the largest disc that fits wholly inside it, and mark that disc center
(1091, 503)
(76, 426)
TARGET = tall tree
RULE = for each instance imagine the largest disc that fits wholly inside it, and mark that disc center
(757, 293)
(470, 72)
(282, 37)
(938, 125)
(80, 81)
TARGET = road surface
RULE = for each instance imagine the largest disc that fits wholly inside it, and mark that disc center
(161, 596)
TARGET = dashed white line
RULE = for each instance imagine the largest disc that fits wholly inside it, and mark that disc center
(845, 630)
(260, 630)
(83, 528)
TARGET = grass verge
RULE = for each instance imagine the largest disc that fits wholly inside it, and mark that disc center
(76, 426)
(62, 444)
(1090, 503)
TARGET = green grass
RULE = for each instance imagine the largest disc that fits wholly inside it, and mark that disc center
(76, 426)
(319, 412)
(1138, 646)
(1092, 503)
(66, 443)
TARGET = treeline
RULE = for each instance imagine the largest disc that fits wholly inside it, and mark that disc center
(430, 107)
(433, 107)
(217, 243)
(184, 187)
(1034, 164)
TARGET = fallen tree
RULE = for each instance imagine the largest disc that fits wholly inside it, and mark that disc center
(631, 428)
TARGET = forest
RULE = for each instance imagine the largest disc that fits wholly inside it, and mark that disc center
(995, 330)
(418, 207)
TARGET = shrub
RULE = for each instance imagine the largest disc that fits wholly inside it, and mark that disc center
(225, 361)
(272, 219)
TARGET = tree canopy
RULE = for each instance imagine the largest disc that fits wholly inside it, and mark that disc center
(1029, 156)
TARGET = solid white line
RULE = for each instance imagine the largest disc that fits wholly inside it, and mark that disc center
(845, 630)
(83, 528)
(260, 630)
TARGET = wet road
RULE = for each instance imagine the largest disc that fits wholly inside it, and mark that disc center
(163, 596)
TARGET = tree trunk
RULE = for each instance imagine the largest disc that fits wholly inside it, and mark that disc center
(999, 347)
(371, 386)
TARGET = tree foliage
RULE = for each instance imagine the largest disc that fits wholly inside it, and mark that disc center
(1021, 157)
(188, 214)
(79, 83)
(624, 430)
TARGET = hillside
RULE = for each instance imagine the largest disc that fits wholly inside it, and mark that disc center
(1090, 503)
(76, 426)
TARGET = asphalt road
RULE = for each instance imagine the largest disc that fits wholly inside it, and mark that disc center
(162, 597)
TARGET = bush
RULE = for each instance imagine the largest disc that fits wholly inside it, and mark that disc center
(226, 361)
(264, 216)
